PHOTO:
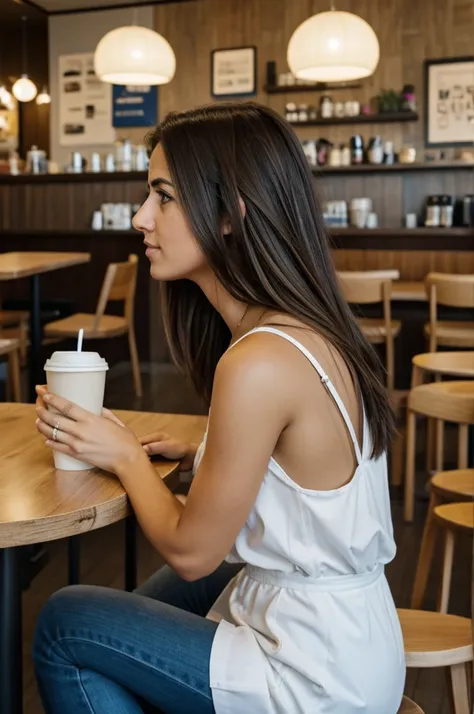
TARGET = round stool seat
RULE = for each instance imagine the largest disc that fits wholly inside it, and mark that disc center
(459, 516)
(458, 483)
(449, 401)
(432, 639)
(409, 707)
(455, 364)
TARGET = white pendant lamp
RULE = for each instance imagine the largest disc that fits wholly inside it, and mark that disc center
(43, 97)
(6, 98)
(24, 89)
(134, 55)
(333, 46)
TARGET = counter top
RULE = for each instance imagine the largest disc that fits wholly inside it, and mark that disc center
(88, 177)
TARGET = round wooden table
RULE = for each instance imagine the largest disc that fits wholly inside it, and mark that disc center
(39, 504)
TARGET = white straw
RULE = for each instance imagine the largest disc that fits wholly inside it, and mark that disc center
(80, 337)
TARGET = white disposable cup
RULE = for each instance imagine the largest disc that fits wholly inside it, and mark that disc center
(78, 377)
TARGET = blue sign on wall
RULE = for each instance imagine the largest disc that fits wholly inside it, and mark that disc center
(134, 106)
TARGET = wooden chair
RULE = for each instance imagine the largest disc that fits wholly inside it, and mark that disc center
(119, 285)
(433, 639)
(409, 707)
(442, 401)
(371, 287)
(452, 291)
(14, 324)
(455, 485)
(11, 349)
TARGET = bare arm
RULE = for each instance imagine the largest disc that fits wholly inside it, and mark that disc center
(248, 414)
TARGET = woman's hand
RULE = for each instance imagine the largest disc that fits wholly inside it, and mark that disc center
(164, 445)
(42, 389)
(102, 441)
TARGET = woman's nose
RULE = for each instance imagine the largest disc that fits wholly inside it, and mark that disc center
(143, 220)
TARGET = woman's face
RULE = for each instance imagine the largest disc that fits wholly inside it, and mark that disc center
(172, 250)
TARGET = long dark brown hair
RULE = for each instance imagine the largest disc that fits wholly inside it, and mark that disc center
(278, 256)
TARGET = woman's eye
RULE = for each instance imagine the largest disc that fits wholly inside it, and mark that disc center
(164, 198)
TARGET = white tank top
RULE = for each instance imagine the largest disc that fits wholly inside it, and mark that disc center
(309, 625)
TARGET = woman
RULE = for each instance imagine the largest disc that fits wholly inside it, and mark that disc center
(290, 483)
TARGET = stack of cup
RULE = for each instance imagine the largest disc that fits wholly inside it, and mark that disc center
(78, 377)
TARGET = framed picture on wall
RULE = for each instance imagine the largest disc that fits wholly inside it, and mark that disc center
(449, 102)
(234, 72)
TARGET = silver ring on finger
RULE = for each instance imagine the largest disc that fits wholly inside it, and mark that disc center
(55, 431)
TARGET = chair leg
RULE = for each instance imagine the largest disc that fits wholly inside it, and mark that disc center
(14, 374)
(439, 448)
(430, 445)
(390, 364)
(463, 446)
(447, 571)
(396, 465)
(23, 342)
(459, 693)
(410, 467)
(137, 379)
(426, 555)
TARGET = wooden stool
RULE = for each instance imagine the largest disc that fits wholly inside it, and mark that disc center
(119, 285)
(370, 287)
(447, 485)
(409, 707)
(433, 639)
(453, 291)
(11, 349)
(439, 364)
(443, 401)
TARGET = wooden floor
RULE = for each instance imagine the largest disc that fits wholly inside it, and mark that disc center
(102, 550)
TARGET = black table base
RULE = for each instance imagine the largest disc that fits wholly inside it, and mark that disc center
(11, 687)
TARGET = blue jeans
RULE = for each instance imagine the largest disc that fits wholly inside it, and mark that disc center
(104, 651)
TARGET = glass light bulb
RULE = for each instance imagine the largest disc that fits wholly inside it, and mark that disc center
(24, 89)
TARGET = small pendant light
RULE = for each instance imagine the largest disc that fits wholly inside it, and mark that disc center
(43, 97)
(24, 89)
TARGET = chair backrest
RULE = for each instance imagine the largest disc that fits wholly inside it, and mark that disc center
(367, 286)
(451, 290)
(447, 289)
(119, 285)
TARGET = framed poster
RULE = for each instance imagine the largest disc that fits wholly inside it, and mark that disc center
(234, 72)
(449, 102)
(134, 106)
(85, 103)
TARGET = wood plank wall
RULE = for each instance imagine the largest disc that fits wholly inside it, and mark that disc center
(408, 30)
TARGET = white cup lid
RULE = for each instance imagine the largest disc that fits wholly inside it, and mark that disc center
(76, 362)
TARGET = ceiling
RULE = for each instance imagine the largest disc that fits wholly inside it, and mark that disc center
(60, 7)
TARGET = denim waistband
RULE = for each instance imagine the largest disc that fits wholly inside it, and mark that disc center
(299, 581)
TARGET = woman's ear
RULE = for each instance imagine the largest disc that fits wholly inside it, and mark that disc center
(226, 225)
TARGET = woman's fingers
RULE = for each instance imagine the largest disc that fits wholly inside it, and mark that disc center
(41, 390)
(152, 438)
(49, 432)
(110, 415)
(162, 448)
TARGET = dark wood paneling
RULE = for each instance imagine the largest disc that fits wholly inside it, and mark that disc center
(62, 206)
(33, 119)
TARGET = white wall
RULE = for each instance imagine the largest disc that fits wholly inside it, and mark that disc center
(81, 32)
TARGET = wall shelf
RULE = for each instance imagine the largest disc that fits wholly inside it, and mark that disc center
(385, 118)
(394, 168)
(297, 88)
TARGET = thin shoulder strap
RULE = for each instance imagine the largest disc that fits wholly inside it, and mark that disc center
(324, 379)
